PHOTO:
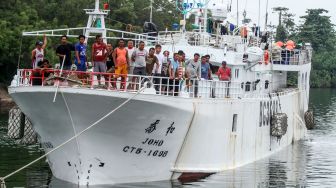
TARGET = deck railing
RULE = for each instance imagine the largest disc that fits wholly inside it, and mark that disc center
(290, 57)
(156, 85)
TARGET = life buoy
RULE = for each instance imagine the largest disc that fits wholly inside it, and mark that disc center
(266, 57)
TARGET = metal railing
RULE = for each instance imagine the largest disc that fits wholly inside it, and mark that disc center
(290, 57)
(156, 85)
(112, 34)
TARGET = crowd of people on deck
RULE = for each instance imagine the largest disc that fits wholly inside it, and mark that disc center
(126, 59)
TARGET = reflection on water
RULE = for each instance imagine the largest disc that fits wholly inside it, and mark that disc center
(308, 163)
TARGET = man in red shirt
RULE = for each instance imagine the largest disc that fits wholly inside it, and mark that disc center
(99, 56)
(224, 74)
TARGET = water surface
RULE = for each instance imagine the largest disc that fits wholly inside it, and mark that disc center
(308, 163)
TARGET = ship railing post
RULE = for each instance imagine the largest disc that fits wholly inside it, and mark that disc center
(42, 78)
(92, 79)
(109, 82)
(160, 86)
(168, 85)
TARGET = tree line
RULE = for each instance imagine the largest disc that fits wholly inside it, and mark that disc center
(318, 30)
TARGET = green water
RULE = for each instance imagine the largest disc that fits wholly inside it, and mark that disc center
(13, 156)
(308, 163)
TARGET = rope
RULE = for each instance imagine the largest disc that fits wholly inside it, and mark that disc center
(2, 179)
(58, 83)
(19, 60)
(72, 122)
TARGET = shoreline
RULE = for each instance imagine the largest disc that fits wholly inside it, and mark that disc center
(6, 102)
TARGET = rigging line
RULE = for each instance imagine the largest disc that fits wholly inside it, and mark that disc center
(266, 19)
(58, 83)
(116, 21)
(72, 122)
(2, 179)
(19, 60)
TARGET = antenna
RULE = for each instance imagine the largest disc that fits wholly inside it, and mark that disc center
(151, 11)
(96, 21)
(237, 13)
(266, 19)
(97, 5)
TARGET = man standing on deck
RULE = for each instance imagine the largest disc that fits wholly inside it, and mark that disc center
(158, 66)
(130, 50)
(64, 51)
(193, 67)
(110, 66)
(150, 62)
(224, 74)
(99, 56)
(39, 52)
(120, 58)
(80, 54)
(205, 69)
(139, 57)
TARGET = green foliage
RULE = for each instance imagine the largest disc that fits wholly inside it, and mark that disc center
(286, 28)
(17, 16)
(281, 34)
(318, 30)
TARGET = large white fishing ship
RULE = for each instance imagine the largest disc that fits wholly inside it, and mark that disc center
(156, 135)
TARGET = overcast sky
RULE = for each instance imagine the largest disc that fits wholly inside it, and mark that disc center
(297, 7)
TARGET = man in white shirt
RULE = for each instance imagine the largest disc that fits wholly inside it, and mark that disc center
(193, 67)
(130, 50)
(157, 70)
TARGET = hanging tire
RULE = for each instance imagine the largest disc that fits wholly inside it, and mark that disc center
(309, 119)
(279, 124)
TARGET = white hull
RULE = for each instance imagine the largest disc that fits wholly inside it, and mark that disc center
(191, 135)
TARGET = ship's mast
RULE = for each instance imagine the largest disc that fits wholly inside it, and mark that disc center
(96, 21)
(151, 12)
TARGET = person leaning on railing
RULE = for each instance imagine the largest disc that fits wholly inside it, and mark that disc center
(41, 72)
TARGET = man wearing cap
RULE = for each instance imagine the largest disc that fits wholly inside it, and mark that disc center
(224, 74)
(39, 52)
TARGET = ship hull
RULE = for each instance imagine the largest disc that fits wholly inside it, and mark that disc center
(152, 137)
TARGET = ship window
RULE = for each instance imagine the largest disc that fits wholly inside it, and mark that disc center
(236, 73)
(234, 122)
(306, 83)
(261, 114)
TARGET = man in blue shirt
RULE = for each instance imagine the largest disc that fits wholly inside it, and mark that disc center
(174, 84)
(80, 51)
(205, 69)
